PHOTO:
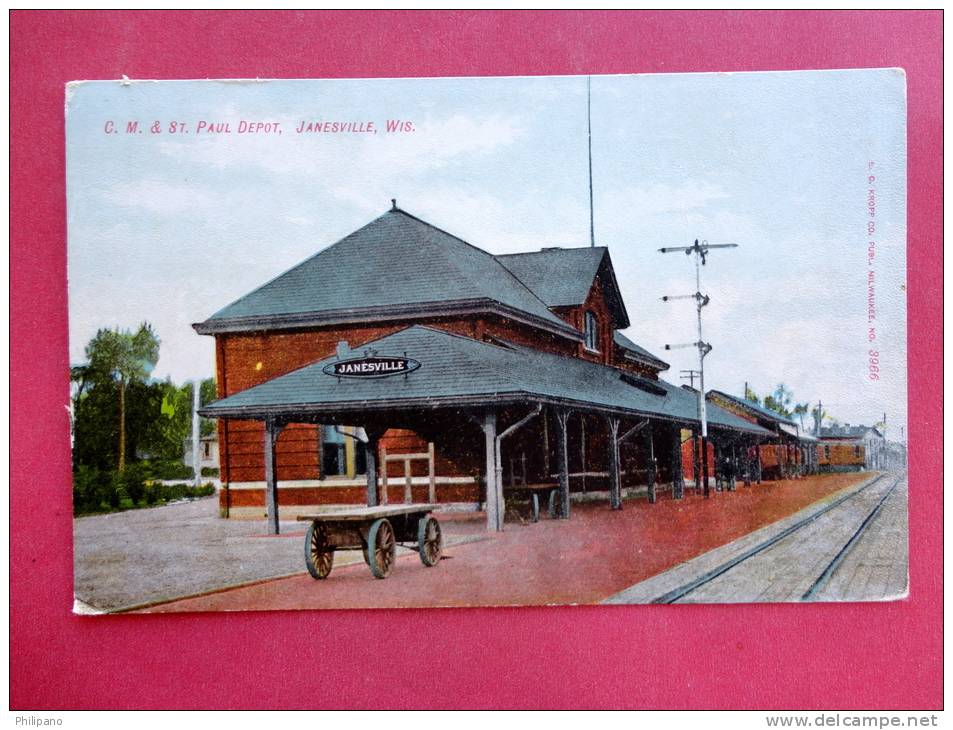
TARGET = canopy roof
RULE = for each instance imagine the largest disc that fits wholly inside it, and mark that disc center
(754, 408)
(460, 371)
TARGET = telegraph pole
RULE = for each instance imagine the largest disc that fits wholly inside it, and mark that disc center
(690, 376)
(700, 251)
(196, 440)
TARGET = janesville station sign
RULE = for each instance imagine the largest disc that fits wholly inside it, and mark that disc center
(371, 367)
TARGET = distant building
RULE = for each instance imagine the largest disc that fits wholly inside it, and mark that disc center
(852, 448)
(208, 452)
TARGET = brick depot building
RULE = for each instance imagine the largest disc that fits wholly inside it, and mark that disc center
(405, 364)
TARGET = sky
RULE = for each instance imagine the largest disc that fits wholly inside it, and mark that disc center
(170, 227)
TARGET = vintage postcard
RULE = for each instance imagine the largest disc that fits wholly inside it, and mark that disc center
(488, 341)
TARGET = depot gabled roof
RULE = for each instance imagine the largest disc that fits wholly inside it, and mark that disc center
(460, 371)
(395, 267)
(563, 277)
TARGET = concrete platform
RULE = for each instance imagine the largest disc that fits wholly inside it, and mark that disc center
(128, 560)
(596, 554)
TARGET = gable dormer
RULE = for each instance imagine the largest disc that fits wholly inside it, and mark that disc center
(579, 285)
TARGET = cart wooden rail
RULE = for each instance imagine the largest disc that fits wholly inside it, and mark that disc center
(376, 531)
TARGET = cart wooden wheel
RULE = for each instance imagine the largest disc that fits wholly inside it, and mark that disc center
(534, 506)
(381, 548)
(318, 555)
(429, 540)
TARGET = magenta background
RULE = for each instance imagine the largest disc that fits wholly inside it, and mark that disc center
(759, 656)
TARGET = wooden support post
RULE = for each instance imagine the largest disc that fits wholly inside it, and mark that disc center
(650, 465)
(498, 461)
(562, 418)
(678, 478)
(431, 475)
(373, 441)
(546, 445)
(717, 463)
(615, 477)
(705, 488)
(696, 461)
(494, 516)
(383, 470)
(408, 482)
(582, 449)
(272, 432)
(733, 478)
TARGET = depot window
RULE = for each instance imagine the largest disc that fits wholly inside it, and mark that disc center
(591, 331)
(342, 455)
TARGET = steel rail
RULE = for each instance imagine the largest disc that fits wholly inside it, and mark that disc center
(677, 593)
(832, 567)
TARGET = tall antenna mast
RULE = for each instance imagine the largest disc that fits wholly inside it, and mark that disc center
(592, 223)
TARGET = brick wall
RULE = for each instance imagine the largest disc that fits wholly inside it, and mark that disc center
(247, 359)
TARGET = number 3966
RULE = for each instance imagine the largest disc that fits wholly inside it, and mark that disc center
(873, 364)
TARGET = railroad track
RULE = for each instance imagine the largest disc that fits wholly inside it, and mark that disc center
(822, 580)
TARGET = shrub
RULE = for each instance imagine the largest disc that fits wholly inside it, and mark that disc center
(133, 482)
(172, 492)
(208, 471)
(169, 470)
(151, 493)
(113, 490)
(90, 488)
(204, 490)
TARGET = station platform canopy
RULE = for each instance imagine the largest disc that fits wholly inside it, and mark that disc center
(422, 368)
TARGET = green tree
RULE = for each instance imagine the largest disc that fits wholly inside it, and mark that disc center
(207, 394)
(780, 400)
(800, 410)
(819, 415)
(123, 357)
(751, 396)
(172, 418)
